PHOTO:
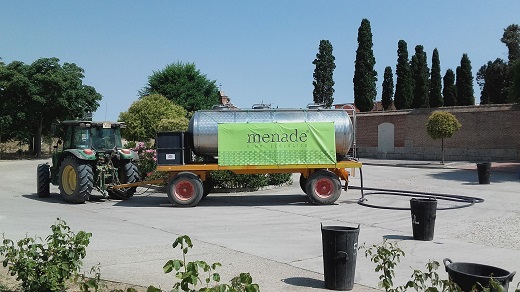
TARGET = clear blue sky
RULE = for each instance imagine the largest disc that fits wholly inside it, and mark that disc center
(258, 50)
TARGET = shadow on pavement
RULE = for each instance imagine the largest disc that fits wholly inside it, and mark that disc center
(304, 282)
(158, 199)
(219, 200)
(470, 177)
(55, 198)
(398, 237)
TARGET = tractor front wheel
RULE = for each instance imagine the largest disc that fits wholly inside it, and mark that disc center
(185, 190)
(76, 180)
(323, 187)
(43, 180)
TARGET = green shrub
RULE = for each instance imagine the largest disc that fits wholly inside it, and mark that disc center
(385, 256)
(229, 180)
(46, 267)
(190, 274)
(388, 254)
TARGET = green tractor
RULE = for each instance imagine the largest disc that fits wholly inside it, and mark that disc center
(90, 156)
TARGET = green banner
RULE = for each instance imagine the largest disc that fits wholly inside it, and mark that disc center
(276, 143)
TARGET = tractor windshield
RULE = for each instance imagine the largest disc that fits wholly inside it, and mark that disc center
(105, 138)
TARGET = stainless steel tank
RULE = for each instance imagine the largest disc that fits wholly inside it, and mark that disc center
(203, 125)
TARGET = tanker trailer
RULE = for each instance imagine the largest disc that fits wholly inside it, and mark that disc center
(312, 142)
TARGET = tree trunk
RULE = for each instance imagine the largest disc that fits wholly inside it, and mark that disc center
(442, 141)
(38, 139)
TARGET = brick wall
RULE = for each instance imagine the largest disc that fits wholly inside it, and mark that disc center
(488, 133)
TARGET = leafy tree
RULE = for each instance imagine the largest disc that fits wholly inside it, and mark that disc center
(145, 115)
(173, 125)
(15, 90)
(403, 87)
(515, 90)
(365, 76)
(388, 88)
(493, 79)
(450, 90)
(184, 85)
(442, 125)
(5, 111)
(420, 73)
(465, 82)
(323, 73)
(41, 94)
(511, 38)
(435, 93)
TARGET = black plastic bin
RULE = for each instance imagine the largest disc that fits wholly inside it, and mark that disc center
(423, 218)
(467, 275)
(340, 245)
(483, 169)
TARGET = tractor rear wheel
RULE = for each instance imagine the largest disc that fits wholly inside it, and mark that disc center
(128, 173)
(185, 190)
(323, 187)
(131, 175)
(43, 180)
(76, 180)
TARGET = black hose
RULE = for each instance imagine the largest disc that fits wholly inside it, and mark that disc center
(465, 200)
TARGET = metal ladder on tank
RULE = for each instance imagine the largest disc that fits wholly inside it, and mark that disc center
(351, 111)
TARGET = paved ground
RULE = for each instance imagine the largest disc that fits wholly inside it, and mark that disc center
(275, 234)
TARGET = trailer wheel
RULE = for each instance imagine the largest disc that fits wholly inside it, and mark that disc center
(207, 186)
(185, 190)
(303, 183)
(43, 180)
(76, 180)
(323, 187)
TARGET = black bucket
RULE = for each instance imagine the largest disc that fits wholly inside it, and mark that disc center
(423, 218)
(340, 246)
(484, 170)
(467, 275)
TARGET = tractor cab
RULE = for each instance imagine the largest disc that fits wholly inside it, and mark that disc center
(98, 136)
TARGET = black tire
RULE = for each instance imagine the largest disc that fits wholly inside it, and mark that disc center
(207, 186)
(323, 187)
(303, 183)
(43, 180)
(76, 180)
(128, 173)
(185, 190)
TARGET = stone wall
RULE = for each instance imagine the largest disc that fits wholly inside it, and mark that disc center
(488, 133)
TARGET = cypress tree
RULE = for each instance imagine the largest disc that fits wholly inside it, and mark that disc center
(403, 86)
(365, 76)
(388, 88)
(435, 94)
(450, 90)
(511, 38)
(464, 84)
(323, 73)
(493, 79)
(420, 73)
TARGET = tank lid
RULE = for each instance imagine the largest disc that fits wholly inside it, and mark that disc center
(261, 106)
(316, 106)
